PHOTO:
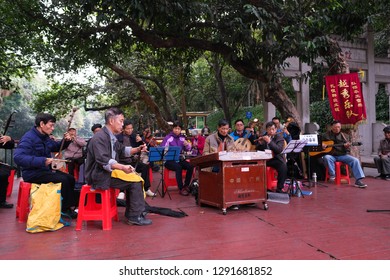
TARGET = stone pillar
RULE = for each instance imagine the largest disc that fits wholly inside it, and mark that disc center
(369, 89)
(269, 111)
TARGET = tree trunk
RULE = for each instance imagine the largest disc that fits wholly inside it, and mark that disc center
(278, 97)
(222, 90)
(145, 96)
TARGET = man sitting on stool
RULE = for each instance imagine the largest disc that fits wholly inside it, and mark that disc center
(103, 171)
(382, 161)
(341, 153)
(274, 142)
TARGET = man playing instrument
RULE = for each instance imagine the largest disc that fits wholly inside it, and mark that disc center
(341, 152)
(74, 152)
(220, 140)
(175, 139)
(274, 142)
(103, 169)
(6, 142)
(382, 161)
(33, 155)
(130, 139)
(240, 132)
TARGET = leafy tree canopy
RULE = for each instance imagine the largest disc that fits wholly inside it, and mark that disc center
(255, 37)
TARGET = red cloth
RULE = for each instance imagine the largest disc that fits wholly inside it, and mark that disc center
(346, 98)
(201, 142)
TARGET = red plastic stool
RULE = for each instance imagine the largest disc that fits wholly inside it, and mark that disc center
(272, 178)
(11, 178)
(339, 175)
(170, 178)
(90, 210)
(23, 204)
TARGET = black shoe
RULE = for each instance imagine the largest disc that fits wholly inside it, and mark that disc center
(5, 204)
(184, 192)
(70, 213)
(139, 221)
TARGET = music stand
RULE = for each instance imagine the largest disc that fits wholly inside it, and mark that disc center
(294, 146)
(314, 144)
(162, 154)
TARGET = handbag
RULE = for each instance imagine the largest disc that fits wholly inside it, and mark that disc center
(45, 208)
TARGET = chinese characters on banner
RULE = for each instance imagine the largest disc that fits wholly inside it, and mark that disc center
(346, 98)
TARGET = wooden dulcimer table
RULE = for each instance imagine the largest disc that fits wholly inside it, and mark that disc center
(232, 178)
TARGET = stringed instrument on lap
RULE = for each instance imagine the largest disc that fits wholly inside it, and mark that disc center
(244, 145)
(58, 162)
(329, 146)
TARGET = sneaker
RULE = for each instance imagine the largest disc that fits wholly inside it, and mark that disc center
(332, 179)
(121, 195)
(387, 178)
(360, 184)
(150, 193)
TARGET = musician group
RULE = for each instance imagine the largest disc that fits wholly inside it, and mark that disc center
(117, 157)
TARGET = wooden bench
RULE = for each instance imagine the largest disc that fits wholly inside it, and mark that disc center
(368, 164)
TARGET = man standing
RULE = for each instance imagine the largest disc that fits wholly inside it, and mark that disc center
(104, 171)
(340, 152)
(382, 161)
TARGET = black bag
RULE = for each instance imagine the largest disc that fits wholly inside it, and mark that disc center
(194, 189)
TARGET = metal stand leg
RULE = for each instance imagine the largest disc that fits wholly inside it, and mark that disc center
(162, 184)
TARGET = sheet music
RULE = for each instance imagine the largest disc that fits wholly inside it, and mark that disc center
(294, 146)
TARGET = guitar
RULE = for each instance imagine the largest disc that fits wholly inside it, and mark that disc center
(330, 144)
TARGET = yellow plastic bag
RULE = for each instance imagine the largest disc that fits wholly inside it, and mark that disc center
(45, 204)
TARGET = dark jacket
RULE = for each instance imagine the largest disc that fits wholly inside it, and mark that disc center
(32, 151)
(338, 141)
(276, 146)
(99, 154)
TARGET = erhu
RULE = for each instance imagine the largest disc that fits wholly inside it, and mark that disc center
(58, 163)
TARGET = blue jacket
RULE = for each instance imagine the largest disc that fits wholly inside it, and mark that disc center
(32, 151)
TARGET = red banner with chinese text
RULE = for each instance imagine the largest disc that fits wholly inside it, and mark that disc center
(346, 98)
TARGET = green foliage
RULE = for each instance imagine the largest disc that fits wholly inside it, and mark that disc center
(321, 114)
(382, 105)
(254, 38)
(23, 116)
(213, 118)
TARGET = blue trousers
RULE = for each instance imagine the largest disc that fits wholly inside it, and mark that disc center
(353, 162)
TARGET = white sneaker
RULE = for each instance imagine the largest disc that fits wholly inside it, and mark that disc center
(150, 193)
(121, 195)
(332, 179)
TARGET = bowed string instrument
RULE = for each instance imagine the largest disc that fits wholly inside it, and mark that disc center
(58, 162)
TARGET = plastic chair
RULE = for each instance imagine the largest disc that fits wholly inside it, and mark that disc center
(339, 175)
(272, 178)
(170, 178)
(23, 204)
(90, 210)
(11, 178)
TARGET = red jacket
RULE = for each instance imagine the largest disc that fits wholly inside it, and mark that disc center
(200, 145)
